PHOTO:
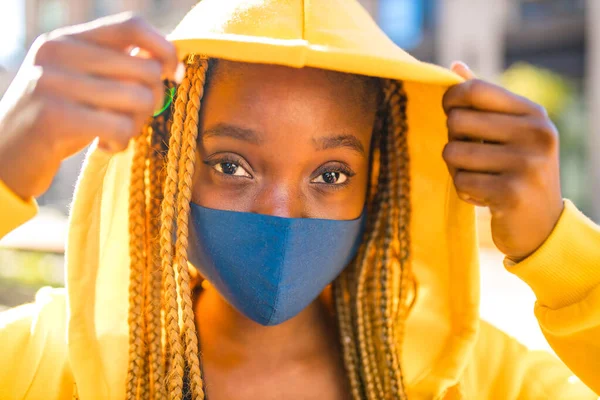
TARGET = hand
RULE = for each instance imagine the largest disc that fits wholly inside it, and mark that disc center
(503, 154)
(77, 84)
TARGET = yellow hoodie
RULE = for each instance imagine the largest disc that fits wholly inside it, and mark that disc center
(78, 336)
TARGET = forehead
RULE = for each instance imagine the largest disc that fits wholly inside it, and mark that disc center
(261, 83)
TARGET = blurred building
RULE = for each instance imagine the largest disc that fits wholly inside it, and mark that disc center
(490, 35)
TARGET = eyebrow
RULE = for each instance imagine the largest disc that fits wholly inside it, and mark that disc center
(251, 136)
(332, 142)
(234, 132)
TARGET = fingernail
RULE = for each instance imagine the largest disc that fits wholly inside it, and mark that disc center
(459, 64)
(179, 73)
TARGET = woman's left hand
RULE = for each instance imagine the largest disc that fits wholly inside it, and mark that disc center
(503, 154)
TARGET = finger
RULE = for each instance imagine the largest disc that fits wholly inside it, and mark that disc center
(462, 69)
(179, 72)
(87, 58)
(123, 31)
(124, 97)
(494, 191)
(479, 157)
(71, 126)
(494, 127)
(485, 96)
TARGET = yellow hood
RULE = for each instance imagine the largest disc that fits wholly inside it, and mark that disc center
(330, 34)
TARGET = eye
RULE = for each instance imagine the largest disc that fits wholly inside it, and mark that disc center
(231, 168)
(331, 178)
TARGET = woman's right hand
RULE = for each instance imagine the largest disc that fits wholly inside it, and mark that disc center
(77, 84)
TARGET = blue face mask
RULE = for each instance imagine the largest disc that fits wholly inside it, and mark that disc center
(270, 268)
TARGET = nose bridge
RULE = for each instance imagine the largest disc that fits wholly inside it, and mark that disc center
(279, 199)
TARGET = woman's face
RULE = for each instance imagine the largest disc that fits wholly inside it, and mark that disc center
(285, 142)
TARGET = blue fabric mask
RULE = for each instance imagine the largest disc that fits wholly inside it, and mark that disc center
(270, 268)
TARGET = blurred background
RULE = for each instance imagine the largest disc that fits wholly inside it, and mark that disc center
(547, 50)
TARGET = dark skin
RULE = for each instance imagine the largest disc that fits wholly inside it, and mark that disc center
(502, 154)
(258, 152)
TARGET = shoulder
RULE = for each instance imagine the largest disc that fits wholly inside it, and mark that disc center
(33, 344)
(47, 312)
(502, 367)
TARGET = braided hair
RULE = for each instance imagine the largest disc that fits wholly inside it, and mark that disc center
(371, 297)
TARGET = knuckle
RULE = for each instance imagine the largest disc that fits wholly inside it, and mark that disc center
(474, 88)
(447, 99)
(454, 120)
(550, 136)
(540, 110)
(41, 82)
(449, 153)
(47, 80)
(46, 51)
(545, 132)
(463, 181)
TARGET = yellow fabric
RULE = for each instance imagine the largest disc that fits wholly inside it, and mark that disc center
(81, 335)
(566, 281)
(13, 210)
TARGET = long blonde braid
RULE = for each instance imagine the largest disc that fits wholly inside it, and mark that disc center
(156, 177)
(186, 171)
(372, 319)
(370, 296)
(137, 254)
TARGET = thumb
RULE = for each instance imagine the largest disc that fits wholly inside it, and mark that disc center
(462, 69)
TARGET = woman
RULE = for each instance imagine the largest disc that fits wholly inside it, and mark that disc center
(302, 171)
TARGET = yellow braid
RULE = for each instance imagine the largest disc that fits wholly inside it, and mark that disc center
(176, 362)
(137, 241)
(401, 220)
(388, 337)
(364, 308)
(379, 282)
(186, 171)
(156, 371)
